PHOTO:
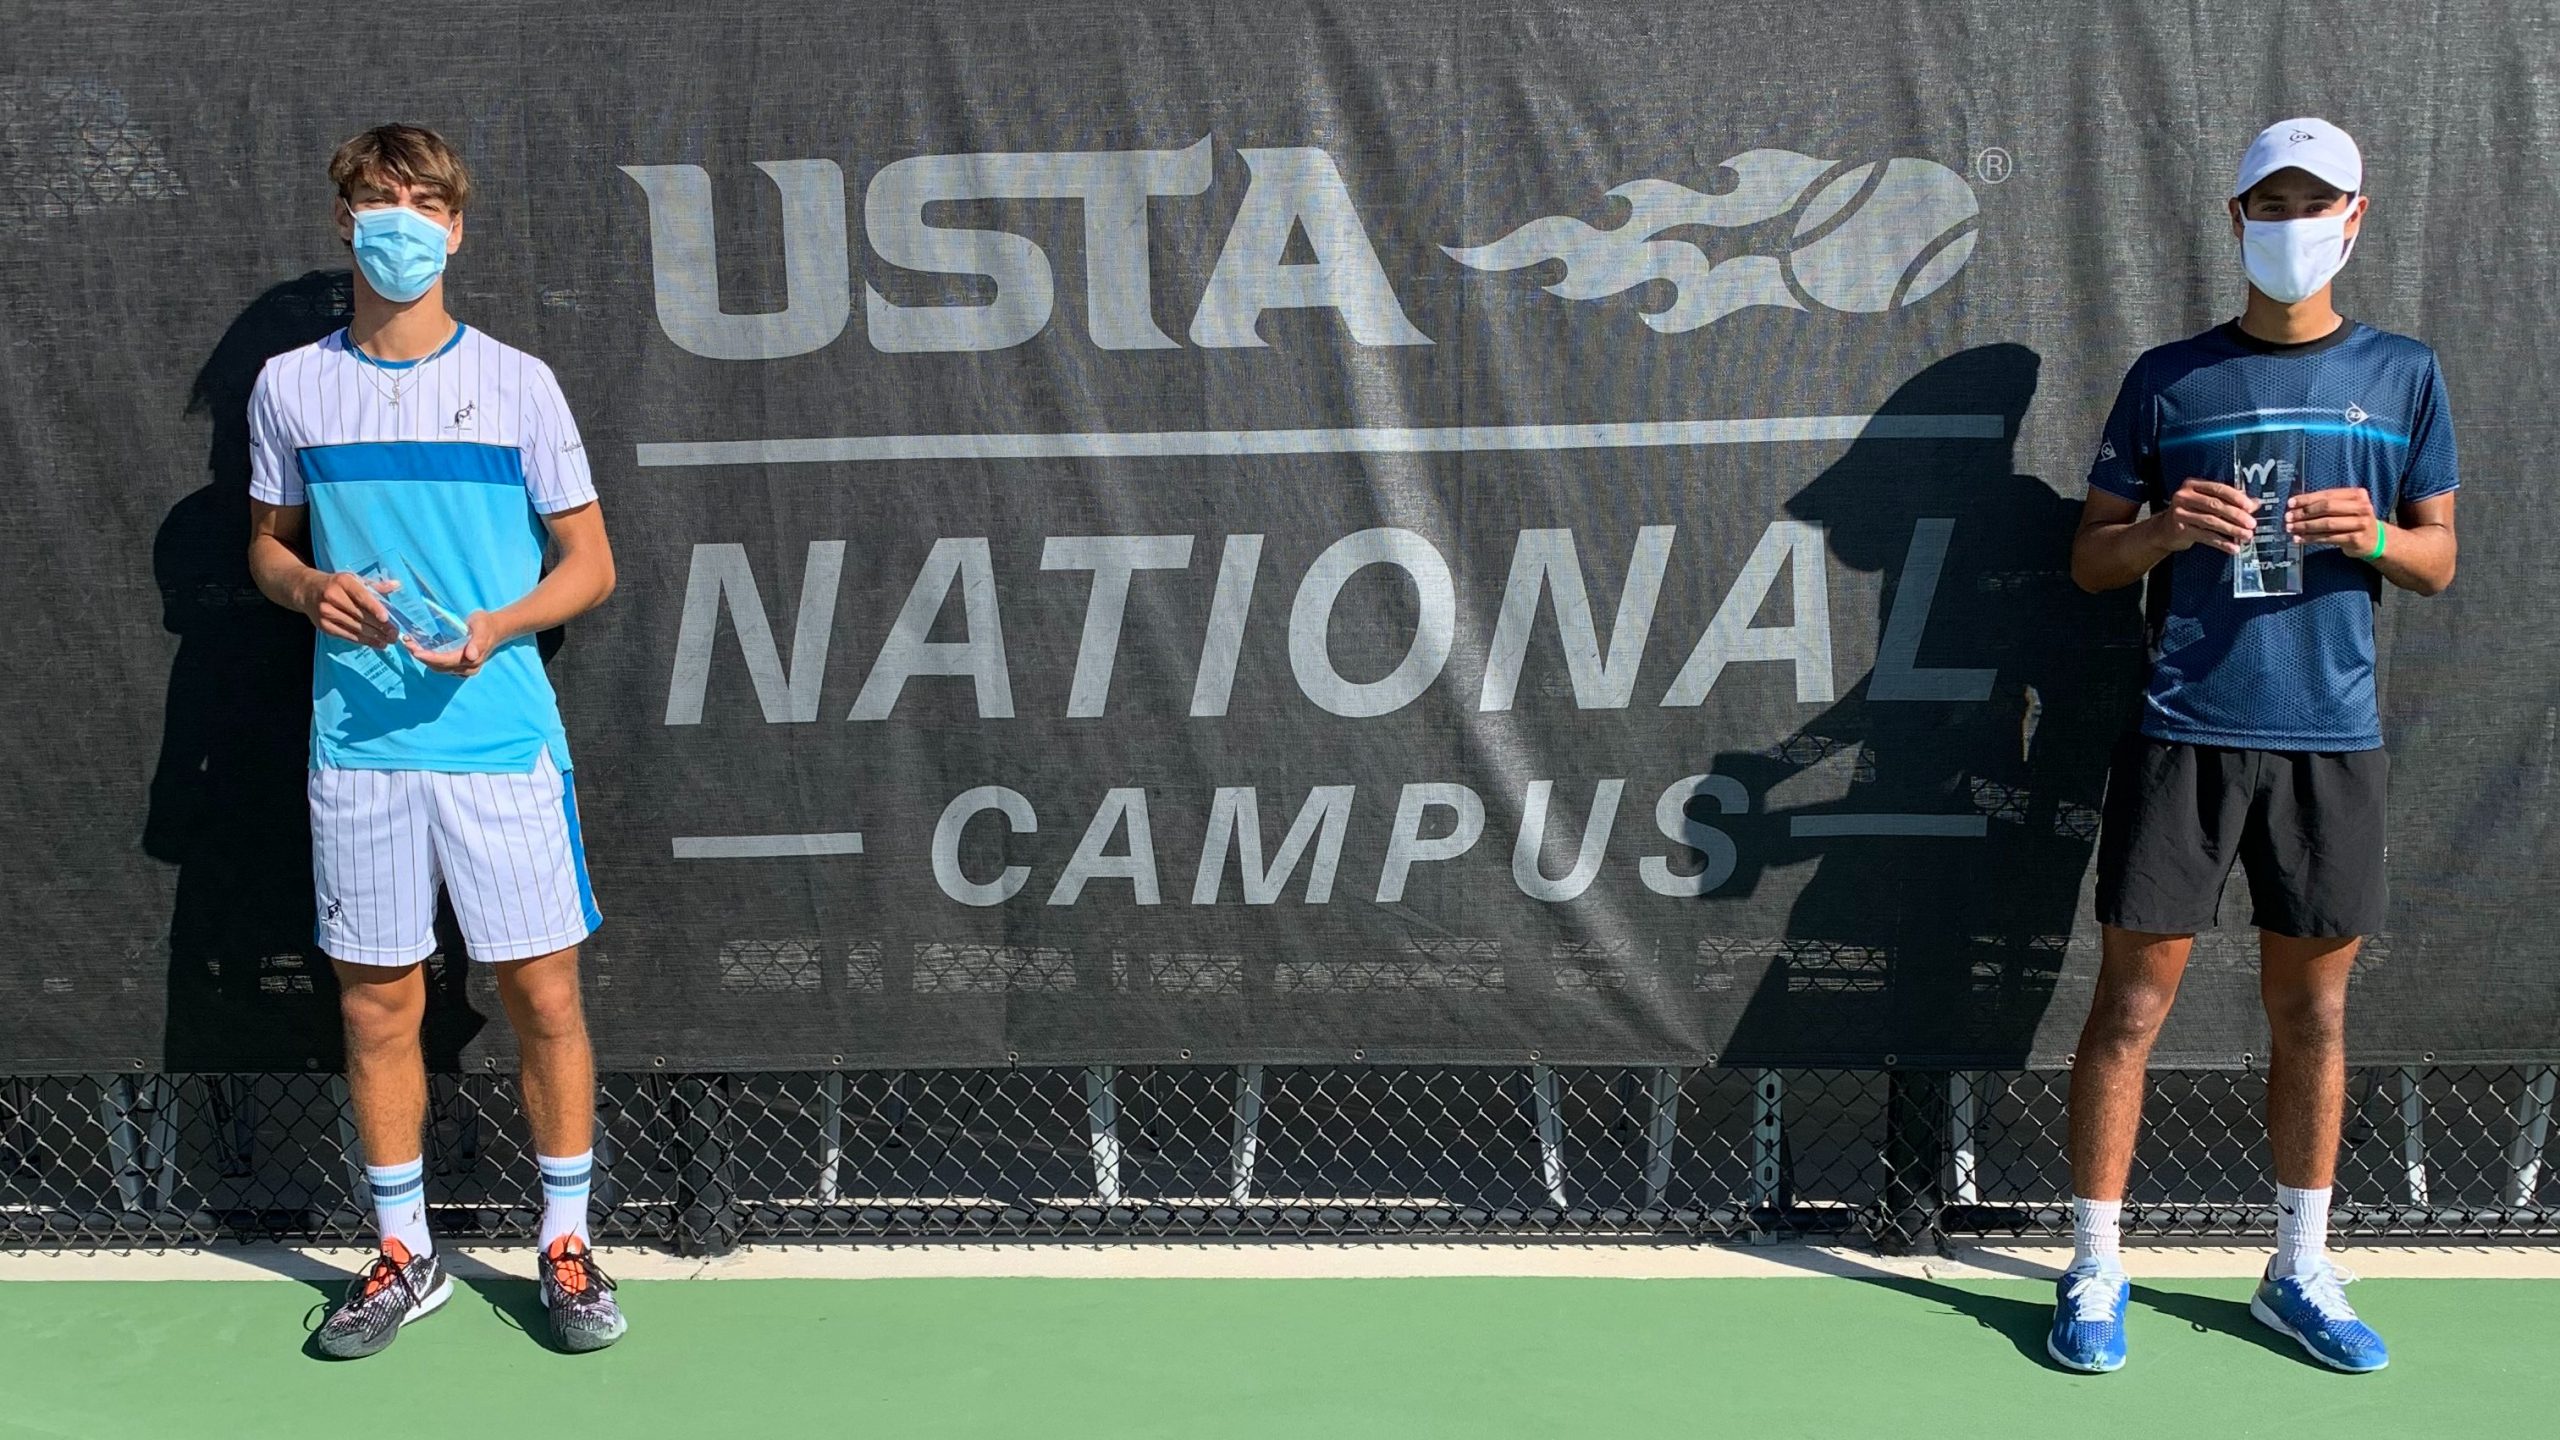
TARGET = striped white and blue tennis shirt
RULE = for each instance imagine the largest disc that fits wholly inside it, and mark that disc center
(448, 464)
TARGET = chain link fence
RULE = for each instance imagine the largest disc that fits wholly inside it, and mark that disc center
(703, 1162)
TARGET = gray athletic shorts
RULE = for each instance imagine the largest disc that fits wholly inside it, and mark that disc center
(2307, 826)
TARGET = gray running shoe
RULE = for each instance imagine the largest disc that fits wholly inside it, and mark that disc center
(579, 1296)
(394, 1290)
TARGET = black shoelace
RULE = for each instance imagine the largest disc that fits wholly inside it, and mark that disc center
(598, 1282)
(382, 1266)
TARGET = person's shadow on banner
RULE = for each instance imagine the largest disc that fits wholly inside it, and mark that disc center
(247, 990)
(1948, 873)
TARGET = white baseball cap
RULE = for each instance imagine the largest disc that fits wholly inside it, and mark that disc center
(2304, 143)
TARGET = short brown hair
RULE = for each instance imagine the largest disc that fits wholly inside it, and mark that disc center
(389, 156)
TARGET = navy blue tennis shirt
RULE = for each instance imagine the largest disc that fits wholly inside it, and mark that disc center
(2289, 672)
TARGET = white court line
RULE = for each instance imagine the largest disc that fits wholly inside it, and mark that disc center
(1279, 1260)
(1356, 439)
(761, 847)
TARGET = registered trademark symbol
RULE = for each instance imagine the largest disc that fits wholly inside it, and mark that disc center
(1992, 166)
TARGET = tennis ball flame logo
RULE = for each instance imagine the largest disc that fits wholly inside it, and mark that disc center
(1866, 238)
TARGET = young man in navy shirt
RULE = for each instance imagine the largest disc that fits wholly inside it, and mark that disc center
(2291, 461)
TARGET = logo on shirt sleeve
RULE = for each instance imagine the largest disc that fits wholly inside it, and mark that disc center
(2106, 451)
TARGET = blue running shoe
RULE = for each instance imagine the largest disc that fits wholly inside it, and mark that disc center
(2088, 1319)
(2314, 1311)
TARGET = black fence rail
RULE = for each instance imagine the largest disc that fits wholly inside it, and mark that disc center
(703, 1162)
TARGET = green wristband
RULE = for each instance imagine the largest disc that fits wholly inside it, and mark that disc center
(2381, 533)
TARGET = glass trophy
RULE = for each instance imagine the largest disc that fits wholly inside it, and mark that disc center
(2267, 467)
(414, 613)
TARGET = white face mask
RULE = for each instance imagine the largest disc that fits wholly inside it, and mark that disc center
(2289, 260)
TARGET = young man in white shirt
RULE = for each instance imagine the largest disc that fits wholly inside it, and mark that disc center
(409, 477)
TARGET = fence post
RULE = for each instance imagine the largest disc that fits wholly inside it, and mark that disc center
(2532, 1119)
(1661, 1134)
(830, 1134)
(1961, 1089)
(160, 1097)
(2413, 1137)
(1102, 1116)
(115, 1113)
(1247, 1149)
(1546, 1099)
(1769, 1181)
(708, 1221)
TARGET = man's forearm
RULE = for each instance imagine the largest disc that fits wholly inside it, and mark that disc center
(2106, 557)
(281, 575)
(578, 584)
(2417, 558)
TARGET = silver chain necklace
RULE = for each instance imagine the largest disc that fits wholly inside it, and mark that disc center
(402, 377)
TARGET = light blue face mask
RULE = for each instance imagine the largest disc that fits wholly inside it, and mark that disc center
(400, 251)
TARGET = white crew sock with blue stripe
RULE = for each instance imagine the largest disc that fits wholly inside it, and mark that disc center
(565, 1180)
(400, 1204)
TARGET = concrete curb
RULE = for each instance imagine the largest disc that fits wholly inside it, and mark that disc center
(1277, 1260)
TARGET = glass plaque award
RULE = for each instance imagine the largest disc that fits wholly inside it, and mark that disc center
(414, 613)
(2266, 466)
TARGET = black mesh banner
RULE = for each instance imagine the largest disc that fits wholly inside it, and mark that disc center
(1422, 534)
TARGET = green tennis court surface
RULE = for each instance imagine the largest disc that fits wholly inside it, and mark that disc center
(926, 1359)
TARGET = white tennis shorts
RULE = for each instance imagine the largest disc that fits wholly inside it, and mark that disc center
(505, 847)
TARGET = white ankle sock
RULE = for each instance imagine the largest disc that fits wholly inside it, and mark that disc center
(400, 1204)
(2302, 1230)
(565, 1179)
(2095, 1228)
